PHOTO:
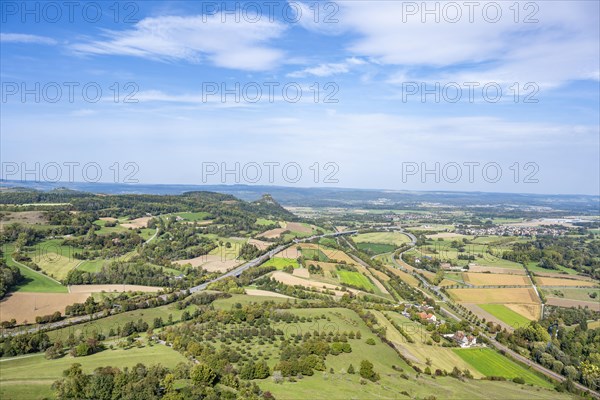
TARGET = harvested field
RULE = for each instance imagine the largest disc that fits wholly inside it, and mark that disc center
(272, 233)
(301, 272)
(265, 293)
(491, 296)
(529, 311)
(26, 306)
(298, 227)
(111, 219)
(391, 238)
(406, 277)
(447, 282)
(497, 270)
(495, 279)
(380, 275)
(260, 244)
(137, 223)
(545, 281)
(112, 288)
(554, 301)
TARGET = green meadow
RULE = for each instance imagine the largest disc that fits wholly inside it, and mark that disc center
(490, 363)
(281, 263)
(34, 281)
(505, 314)
(31, 377)
(355, 279)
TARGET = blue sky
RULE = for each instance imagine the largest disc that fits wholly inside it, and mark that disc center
(372, 61)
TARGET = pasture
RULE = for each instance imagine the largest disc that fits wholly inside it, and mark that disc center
(30, 377)
(54, 258)
(396, 239)
(573, 294)
(355, 279)
(314, 254)
(375, 248)
(490, 363)
(281, 263)
(35, 282)
(546, 281)
(193, 216)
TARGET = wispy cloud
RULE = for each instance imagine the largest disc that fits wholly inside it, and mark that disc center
(328, 69)
(562, 46)
(237, 45)
(25, 38)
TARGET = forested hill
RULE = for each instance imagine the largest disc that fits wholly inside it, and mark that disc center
(139, 205)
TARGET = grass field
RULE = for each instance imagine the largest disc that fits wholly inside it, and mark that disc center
(265, 222)
(193, 216)
(575, 294)
(229, 303)
(34, 282)
(31, 377)
(54, 258)
(534, 267)
(376, 248)
(104, 325)
(355, 279)
(490, 363)
(545, 281)
(390, 238)
(281, 263)
(310, 254)
(506, 315)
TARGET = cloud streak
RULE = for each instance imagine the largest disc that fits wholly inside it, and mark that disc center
(195, 39)
(26, 38)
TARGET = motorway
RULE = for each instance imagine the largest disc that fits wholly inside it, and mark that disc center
(261, 259)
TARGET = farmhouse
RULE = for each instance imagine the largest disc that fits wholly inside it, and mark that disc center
(463, 340)
(428, 316)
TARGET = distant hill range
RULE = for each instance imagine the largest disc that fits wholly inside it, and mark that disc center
(335, 197)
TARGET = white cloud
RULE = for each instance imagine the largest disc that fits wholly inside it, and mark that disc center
(329, 69)
(25, 38)
(242, 45)
(562, 46)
